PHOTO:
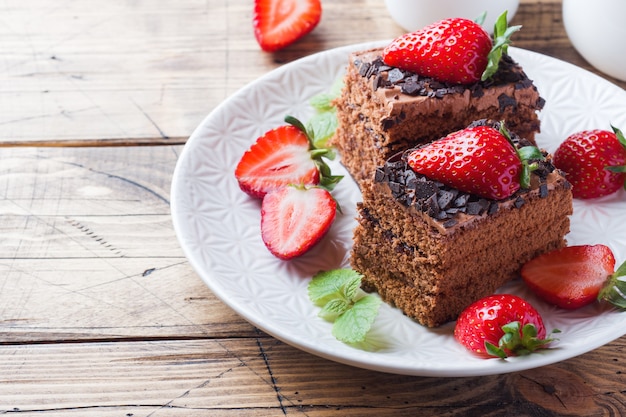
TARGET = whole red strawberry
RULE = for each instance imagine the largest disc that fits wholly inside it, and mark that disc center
(575, 276)
(454, 50)
(594, 161)
(278, 23)
(480, 160)
(294, 219)
(501, 325)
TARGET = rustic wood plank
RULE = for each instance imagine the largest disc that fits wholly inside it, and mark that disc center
(125, 70)
(193, 378)
(152, 72)
(88, 250)
(265, 377)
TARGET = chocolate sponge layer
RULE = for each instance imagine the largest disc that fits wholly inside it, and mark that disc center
(383, 110)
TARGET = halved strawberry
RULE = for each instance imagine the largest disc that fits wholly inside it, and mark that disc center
(278, 23)
(501, 325)
(282, 156)
(480, 160)
(294, 219)
(575, 276)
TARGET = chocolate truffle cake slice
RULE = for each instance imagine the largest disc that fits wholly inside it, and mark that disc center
(431, 250)
(383, 110)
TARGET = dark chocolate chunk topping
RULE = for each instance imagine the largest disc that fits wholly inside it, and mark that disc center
(505, 101)
(417, 85)
(442, 202)
(395, 75)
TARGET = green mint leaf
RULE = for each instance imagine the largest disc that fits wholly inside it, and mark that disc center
(329, 285)
(322, 126)
(333, 309)
(353, 325)
(322, 102)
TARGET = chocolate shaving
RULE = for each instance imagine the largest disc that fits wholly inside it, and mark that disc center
(505, 101)
(445, 203)
(417, 85)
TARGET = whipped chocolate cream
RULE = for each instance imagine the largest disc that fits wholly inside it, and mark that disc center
(449, 206)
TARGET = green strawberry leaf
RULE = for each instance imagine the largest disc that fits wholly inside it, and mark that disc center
(526, 154)
(481, 19)
(518, 340)
(501, 41)
(615, 290)
(318, 153)
(353, 325)
(620, 136)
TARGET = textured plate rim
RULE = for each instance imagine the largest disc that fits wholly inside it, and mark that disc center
(362, 359)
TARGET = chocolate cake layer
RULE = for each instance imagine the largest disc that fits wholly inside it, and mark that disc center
(383, 110)
(432, 262)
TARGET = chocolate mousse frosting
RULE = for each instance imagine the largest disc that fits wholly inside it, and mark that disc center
(384, 110)
(412, 84)
(450, 206)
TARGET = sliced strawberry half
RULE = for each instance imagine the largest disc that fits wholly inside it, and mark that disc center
(279, 157)
(283, 156)
(294, 219)
(575, 276)
(278, 23)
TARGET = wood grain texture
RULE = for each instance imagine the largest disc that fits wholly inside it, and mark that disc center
(138, 71)
(264, 377)
(100, 312)
(88, 250)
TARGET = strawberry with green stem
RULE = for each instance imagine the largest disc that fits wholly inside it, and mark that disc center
(282, 156)
(594, 162)
(501, 325)
(454, 50)
(480, 160)
(576, 276)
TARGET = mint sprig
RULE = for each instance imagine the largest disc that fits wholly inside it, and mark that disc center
(342, 303)
(323, 124)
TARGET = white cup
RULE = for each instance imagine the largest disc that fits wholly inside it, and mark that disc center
(597, 30)
(412, 15)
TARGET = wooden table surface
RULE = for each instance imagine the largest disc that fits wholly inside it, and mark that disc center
(100, 312)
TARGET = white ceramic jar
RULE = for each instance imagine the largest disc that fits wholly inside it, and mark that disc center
(415, 14)
(597, 30)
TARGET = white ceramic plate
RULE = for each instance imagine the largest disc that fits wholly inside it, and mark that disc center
(218, 225)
